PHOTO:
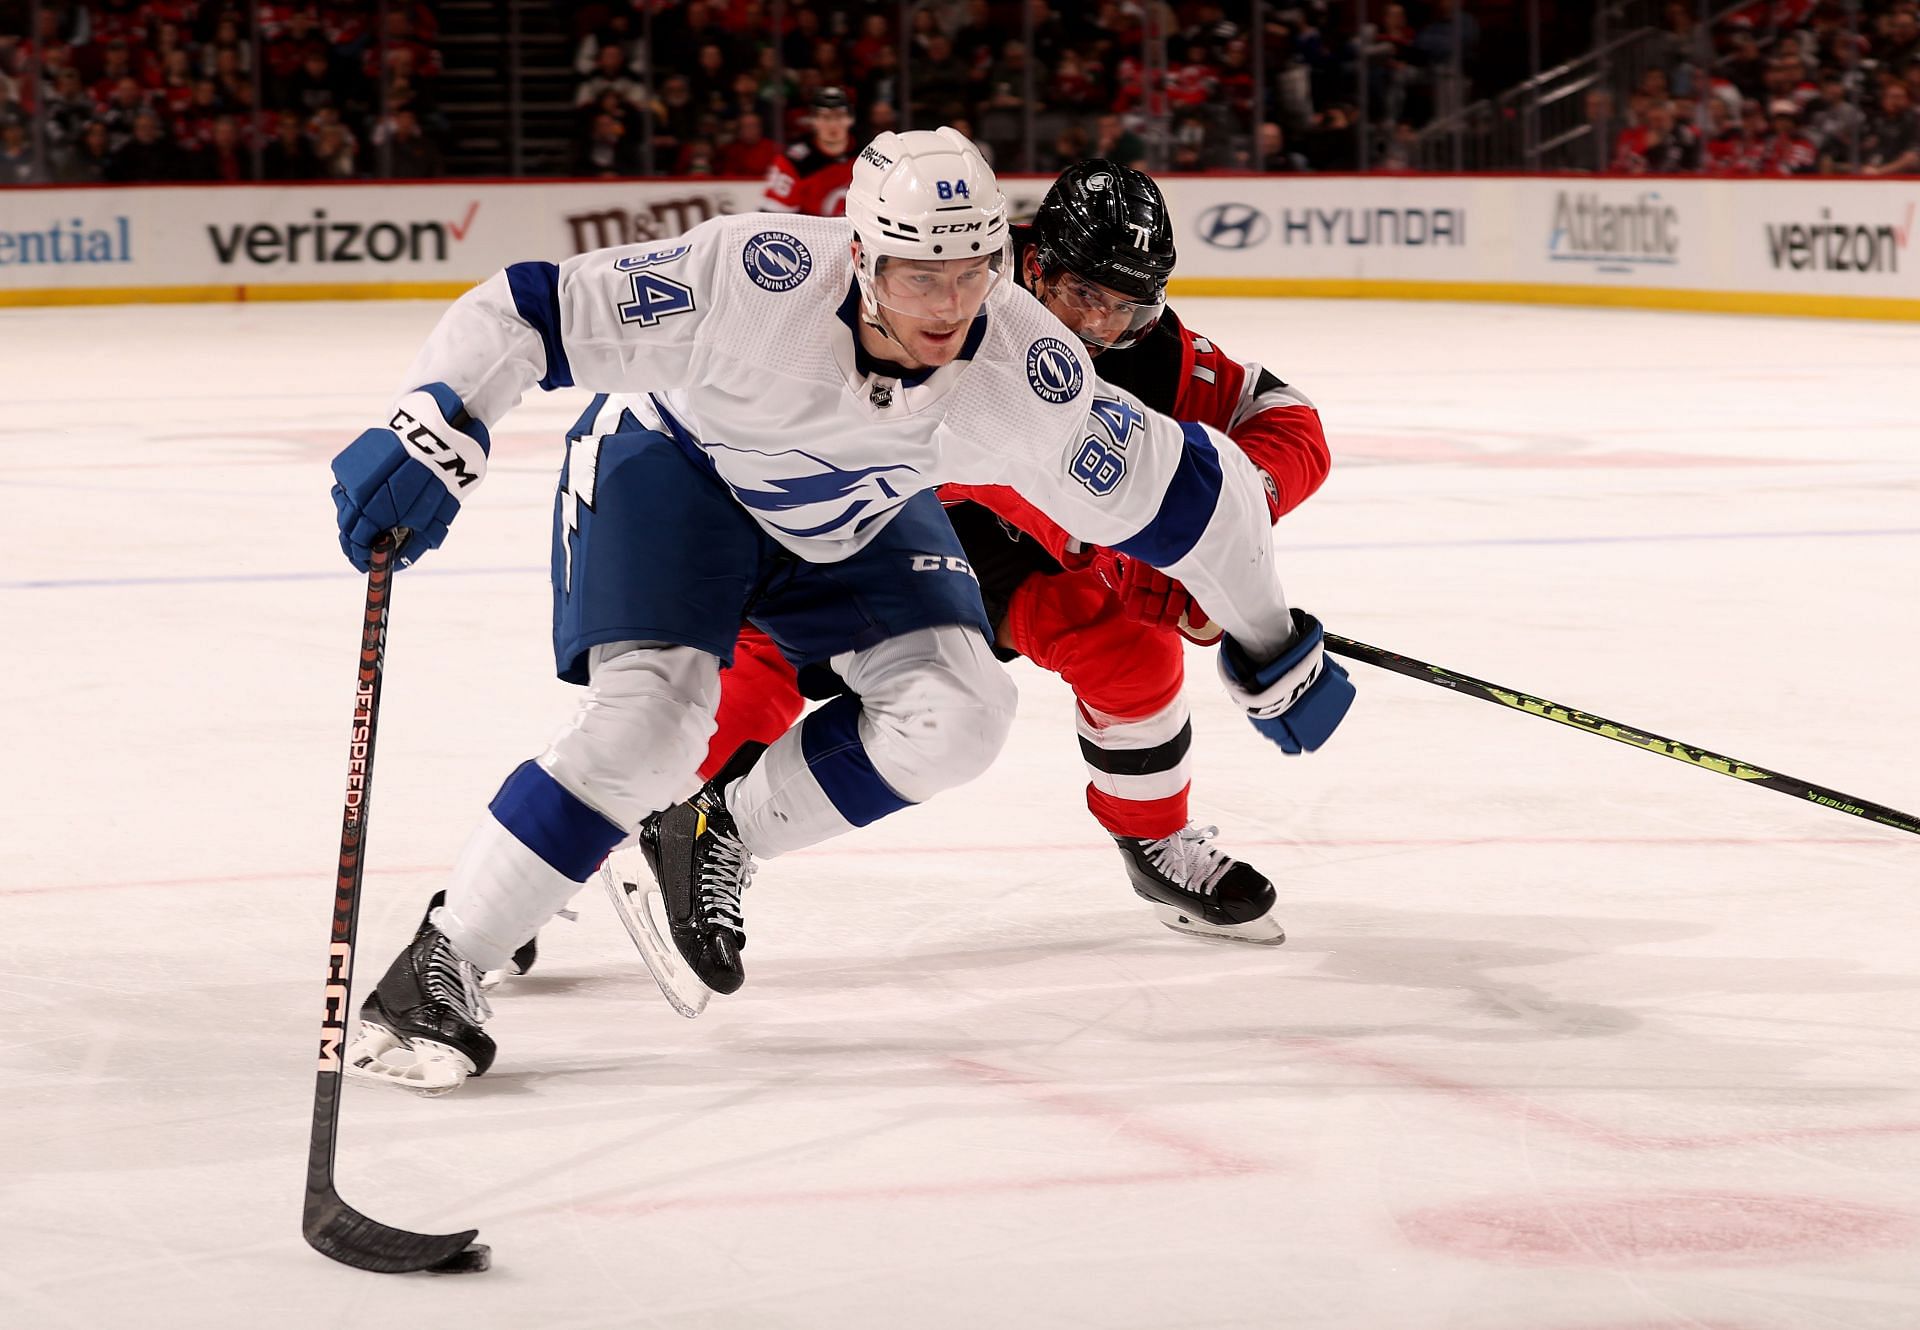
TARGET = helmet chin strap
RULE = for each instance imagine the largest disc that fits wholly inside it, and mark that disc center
(871, 316)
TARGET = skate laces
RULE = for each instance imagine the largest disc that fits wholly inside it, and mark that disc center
(1190, 859)
(451, 978)
(725, 872)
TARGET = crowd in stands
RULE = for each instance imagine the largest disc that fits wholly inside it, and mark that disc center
(167, 90)
(1795, 87)
(721, 84)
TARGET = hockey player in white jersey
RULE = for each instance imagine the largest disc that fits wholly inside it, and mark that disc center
(793, 388)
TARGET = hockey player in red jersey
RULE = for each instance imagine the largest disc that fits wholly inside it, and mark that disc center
(1098, 255)
(813, 177)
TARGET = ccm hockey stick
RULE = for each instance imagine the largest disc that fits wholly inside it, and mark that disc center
(333, 1227)
(1626, 734)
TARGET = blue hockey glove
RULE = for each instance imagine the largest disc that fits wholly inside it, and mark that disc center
(412, 472)
(1298, 698)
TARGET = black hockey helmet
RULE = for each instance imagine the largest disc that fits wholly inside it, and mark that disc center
(1108, 224)
(831, 99)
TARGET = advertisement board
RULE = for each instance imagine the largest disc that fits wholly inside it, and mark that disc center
(1820, 247)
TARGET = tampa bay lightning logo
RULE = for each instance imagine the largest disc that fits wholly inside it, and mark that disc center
(854, 494)
(776, 261)
(1054, 370)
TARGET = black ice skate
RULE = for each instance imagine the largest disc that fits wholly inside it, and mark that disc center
(420, 1027)
(1197, 888)
(690, 893)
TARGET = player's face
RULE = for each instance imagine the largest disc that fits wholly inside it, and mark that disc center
(1098, 315)
(831, 129)
(930, 304)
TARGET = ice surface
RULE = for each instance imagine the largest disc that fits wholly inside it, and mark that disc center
(1565, 1037)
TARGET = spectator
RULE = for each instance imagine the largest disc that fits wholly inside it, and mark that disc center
(711, 80)
(335, 152)
(616, 31)
(1743, 66)
(1603, 128)
(1726, 149)
(797, 48)
(222, 157)
(610, 74)
(876, 40)
(85, 163)
(1331, 142)
(746, 99)
(1658, 146)
(977, 37)
(1191, 83)
(606, 153)
(941, 82)
(1114, 141)
(696, 159)
(226, 49)
(1069, 145)
(1891, 145)
(676, 120)
(1447, 36)
(147, 155)
(314, 85)
(1075, 86)
(1787, 151)
(1899, 45)
(70, 108)
(122, 108)
(289, 156)
(17, 166)
(407, 153)
(1834, 125)
(117, 69)
(881, 82)
(751, 154)
(1274, 155)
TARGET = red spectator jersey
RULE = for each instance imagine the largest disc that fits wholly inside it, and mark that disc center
(809, 181)
(1788, 154)
(1184, 375)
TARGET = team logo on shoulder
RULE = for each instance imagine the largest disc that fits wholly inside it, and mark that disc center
(776, 261)
(1054, 370)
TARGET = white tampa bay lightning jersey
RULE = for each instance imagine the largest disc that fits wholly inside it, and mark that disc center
(739, 339)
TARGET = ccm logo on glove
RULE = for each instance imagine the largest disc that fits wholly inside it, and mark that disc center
(460, 467)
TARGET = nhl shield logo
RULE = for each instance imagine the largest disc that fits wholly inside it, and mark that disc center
(776, 261)
(1054, 370)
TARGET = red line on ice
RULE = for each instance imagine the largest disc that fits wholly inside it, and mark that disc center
(1530, 1110)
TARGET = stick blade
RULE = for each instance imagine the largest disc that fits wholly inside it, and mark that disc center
(337, 1230)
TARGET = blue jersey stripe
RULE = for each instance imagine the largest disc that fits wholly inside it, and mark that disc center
(536, 294)
(543, 815)
(1186, 507)
(830, 740)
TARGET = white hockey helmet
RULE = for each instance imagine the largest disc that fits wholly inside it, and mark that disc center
(926, 196)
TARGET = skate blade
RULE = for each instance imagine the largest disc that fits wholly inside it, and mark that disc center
(1262, 932)
(427, 1067)
(644, 913)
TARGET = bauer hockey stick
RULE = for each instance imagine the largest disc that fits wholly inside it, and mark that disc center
(1626, 734)
(333, 1227)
